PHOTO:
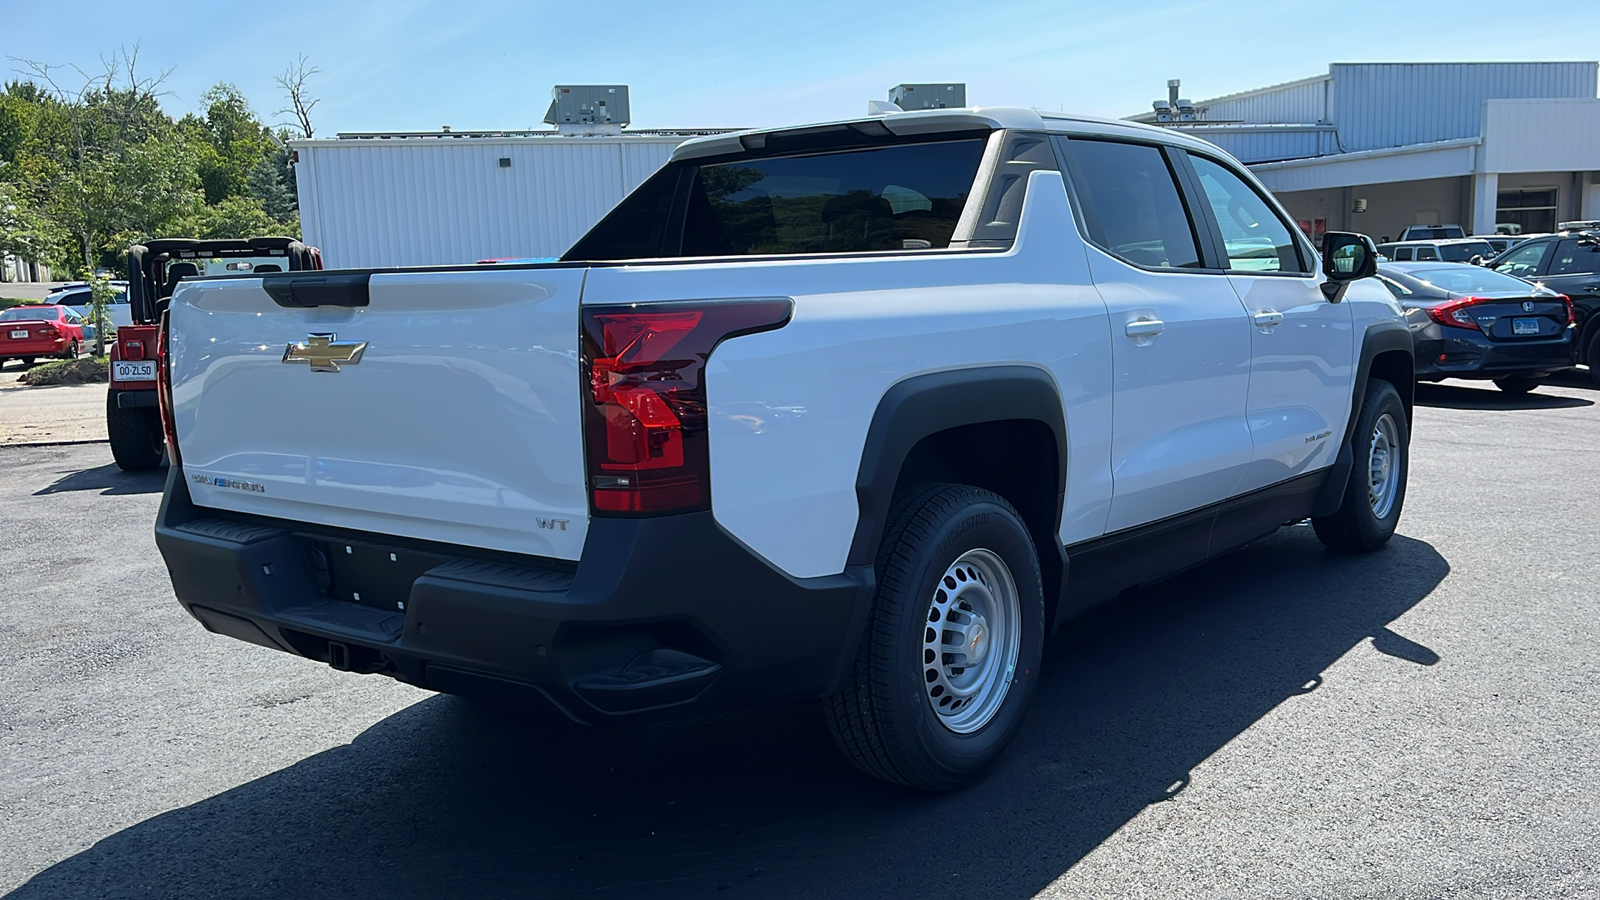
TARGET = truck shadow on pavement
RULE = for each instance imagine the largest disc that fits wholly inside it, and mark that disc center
(1449, 396)
(109, 481)
(449, 798)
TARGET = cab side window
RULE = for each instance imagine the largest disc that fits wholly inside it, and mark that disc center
(1427, 253)
(1403, 254)
(1131, 204)
(1576, 257)
(1253, 236)
(1523, 261)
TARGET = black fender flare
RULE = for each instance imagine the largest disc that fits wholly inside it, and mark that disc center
(1380, 337)
(924, 405)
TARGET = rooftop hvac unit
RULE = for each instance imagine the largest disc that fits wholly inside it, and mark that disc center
(588, 108)
(929, 96)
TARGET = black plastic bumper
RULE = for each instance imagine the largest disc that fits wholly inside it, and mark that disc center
(1472, 356)
(660, 613)
(135, 398)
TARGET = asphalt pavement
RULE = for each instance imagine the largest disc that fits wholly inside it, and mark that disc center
(1285, 722)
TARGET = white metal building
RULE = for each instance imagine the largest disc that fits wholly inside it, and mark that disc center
(1513, 145)
(376, 200)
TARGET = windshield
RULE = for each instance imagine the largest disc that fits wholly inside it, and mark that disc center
(242, 265)
(905, 196)
(1465, 252)
(26, 313)
(1470, 279)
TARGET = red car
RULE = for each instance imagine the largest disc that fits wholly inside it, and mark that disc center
(27, 332)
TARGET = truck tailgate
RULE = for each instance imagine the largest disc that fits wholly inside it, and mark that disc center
(458, 422)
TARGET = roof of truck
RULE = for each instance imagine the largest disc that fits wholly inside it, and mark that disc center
(932, 121)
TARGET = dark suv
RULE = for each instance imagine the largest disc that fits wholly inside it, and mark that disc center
(1568, 263)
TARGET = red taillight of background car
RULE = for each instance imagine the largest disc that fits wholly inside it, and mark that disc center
(1456, 313)
(169, 423)
(645, 410)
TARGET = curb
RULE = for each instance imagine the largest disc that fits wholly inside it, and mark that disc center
(56, 443)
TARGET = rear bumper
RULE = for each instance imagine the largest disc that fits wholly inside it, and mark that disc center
(1471, 355)
(42, 347)
(665, 613)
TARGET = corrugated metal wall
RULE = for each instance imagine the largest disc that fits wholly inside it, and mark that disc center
(1257, 147)
(439, 201)
(1379, 105)
(1568, 135)
(1298, 102)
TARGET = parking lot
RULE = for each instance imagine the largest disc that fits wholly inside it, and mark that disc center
(1284, 722)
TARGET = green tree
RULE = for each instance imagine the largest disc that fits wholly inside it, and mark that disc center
(101, 293)
(24, 231)
(236, 217)
(235, 142)
(272, 184)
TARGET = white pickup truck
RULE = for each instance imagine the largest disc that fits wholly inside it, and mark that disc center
(857, 412)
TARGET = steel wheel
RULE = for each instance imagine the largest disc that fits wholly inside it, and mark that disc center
(1382, 467)
(969, 648)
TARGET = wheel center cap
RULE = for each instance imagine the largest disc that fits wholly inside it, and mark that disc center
(977, 642)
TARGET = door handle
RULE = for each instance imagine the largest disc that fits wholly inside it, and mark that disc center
(1268, 319)
(1144, 327)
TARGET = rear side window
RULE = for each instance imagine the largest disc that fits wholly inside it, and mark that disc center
(638, 227)
(1575, 257)
(1255, 239)
(902, 197)
(1403, 254)
(1427, 253)
(1131, 204)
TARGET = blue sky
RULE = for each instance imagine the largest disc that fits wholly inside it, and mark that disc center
(404, 65)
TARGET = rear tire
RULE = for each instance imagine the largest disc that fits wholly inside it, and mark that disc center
(953, 644)
(1370, 510)
(1517, 384)
(71, 352)
(137, 443)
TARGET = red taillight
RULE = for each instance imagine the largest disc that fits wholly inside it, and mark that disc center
(133, 350)
(1571, 316)
(169, 424)
(1456, 313)
(645, 415)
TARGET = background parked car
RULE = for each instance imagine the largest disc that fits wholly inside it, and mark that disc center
(1446, 250)
(29, 332)
(1431, 232)
(77, 297)
(1568, 263)
(1503, 242)
(1472, 322)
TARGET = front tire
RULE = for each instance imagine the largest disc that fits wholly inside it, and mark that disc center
(953, 645)
(1381, 446)
(137, 443)
(1516, 384)
(1591, 357)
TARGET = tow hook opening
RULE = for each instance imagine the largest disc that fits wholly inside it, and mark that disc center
(339, 656)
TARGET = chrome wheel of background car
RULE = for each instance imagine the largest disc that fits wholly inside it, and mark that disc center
(1383, 465)
(971, 640)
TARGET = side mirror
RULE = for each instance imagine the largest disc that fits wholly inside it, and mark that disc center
(1345, 258)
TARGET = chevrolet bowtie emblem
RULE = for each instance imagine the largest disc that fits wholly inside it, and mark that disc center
(325, 352)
